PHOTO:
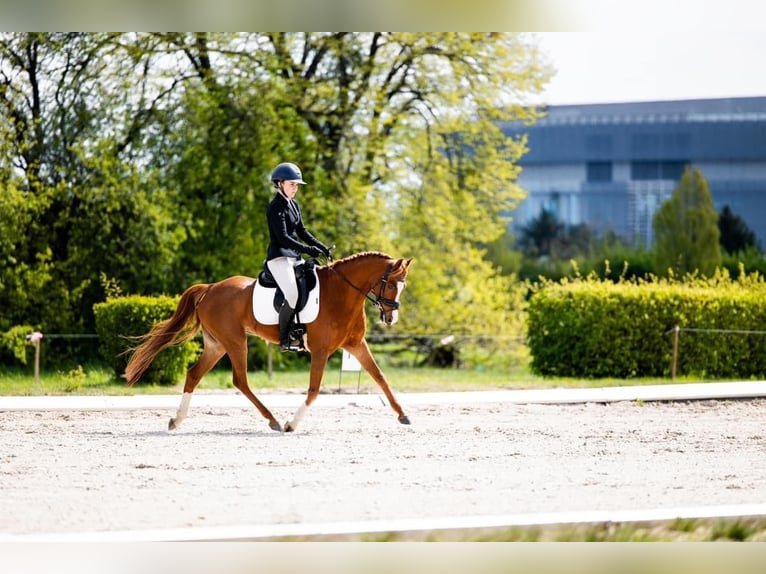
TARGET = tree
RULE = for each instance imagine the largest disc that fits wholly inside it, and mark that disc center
(144, 157)
(453, 288)
(399, 136)
(502, 253)
(370, 100)
(86, 205)
(736, 236)
(686, 229)
(538, 236)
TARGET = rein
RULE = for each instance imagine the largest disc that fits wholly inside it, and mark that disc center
(379, 301)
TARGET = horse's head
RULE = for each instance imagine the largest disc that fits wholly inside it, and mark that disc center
(392, 283)
(366, 274)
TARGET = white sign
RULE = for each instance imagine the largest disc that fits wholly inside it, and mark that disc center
(349, 363)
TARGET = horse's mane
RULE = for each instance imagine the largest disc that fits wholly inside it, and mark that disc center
(356, 256)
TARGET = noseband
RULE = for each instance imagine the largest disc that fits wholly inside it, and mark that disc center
(379, 301)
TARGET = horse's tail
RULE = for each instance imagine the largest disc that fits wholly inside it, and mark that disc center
(181, 327)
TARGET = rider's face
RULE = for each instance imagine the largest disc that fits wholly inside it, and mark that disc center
(290, 188)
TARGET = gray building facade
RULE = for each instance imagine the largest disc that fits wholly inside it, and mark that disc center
(610, 166)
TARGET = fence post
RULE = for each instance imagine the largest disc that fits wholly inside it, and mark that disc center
(676, 330)
(35, 339)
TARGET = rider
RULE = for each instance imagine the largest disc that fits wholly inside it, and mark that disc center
(285, 229)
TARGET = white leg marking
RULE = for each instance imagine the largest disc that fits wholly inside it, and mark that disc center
(183, 409)
(298, 415)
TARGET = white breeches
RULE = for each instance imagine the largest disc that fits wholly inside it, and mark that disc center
(282, 270)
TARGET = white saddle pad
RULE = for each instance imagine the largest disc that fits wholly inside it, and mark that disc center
(263, 305)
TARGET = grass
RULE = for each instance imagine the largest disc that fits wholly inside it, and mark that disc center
(100, 380)
(679, 530)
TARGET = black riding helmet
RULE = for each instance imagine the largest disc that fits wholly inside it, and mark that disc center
(286, 172)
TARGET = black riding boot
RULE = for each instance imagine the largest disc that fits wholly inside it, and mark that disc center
(286, 314)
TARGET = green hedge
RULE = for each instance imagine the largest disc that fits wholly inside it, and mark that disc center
(119, 320)
(591, 328)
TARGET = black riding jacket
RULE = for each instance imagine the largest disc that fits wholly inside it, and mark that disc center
(285, 228)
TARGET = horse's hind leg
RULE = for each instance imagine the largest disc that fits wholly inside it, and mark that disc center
(362, 353)
(211, 354)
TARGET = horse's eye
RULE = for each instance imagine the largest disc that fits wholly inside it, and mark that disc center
(389, 286)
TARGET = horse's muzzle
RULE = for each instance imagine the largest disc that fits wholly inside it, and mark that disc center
(389, 318)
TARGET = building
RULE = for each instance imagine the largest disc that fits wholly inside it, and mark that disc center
(610, 166)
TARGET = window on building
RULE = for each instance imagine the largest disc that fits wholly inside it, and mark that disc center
(672, 169)
(644, 170)
(654, 170)
(599, 171)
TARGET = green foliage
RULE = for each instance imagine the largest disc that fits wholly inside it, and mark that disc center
(458, 293)
(736, 235)
(81, 201)
(619, 262)
(593, 328)
(751, 260)
(74, 379)
(503, 255)
(550, 248)
(25, 270)
(121, 321)
(229, 142)
(738, 530)
(538, 235)
(686, 229)
(534, 269)
(14, 342)
(144, 157)
(66, 239)
(415, 161)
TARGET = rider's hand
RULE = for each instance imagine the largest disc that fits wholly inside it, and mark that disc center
(313, 251)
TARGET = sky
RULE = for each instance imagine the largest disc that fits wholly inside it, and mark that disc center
(643, 64)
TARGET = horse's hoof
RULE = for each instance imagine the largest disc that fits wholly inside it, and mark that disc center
(289, 427)
(404, 419)
(274, 425)
(172, 424)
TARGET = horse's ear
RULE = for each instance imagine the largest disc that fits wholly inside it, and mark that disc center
(402, 264)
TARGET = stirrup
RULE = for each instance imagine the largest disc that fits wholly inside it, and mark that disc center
(294, 339)
(290, 346)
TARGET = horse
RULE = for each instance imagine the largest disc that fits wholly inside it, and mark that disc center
(224, 313)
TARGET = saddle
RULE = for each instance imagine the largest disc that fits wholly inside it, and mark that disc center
(304, 277)
(268, 297)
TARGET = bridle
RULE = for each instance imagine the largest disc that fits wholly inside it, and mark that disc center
(379, 301)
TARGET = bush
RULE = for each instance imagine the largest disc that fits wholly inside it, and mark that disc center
(120, 321)
(14, 344)
(593, 328)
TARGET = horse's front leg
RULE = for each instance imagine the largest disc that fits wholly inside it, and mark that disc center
(362, 353)
(319, 360)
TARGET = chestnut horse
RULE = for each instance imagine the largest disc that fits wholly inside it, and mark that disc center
(224, 312)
